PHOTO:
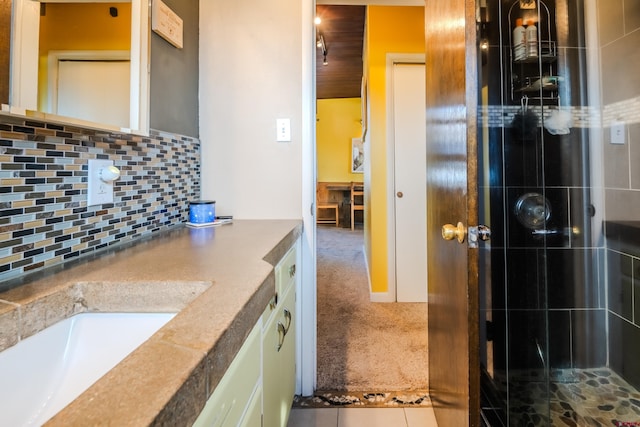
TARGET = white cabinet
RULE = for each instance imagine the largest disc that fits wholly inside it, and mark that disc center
(279, 347)
(232, 398)
(258, 388)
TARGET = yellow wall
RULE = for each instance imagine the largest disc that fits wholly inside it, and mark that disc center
(390, 29)
(338, 121)
(67, 26)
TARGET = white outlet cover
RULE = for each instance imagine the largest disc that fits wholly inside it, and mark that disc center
(618, 133)
(98, 191)
(283, 129)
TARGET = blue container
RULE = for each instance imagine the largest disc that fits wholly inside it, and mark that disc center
(202, 211)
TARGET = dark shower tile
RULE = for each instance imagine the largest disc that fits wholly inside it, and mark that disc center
(496, 219)
(620, 292)
(623, 236)
(525, 281)
(581, 212)
(624, 347)
(573, 88)
(571, 31)
(559, 339)
(636, 291)
(570, 274)
(588, 331)
(499, 342)
(527, 331)
(564, 159)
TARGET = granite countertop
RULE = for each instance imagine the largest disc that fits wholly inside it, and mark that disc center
(219, 279)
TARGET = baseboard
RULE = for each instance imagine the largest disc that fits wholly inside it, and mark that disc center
(376, 296)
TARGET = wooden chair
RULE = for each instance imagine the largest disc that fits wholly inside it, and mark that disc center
(357, 200)
(323, 204)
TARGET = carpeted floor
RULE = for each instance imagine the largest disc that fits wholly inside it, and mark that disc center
(364, 346)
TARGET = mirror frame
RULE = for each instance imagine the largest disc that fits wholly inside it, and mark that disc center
(23, 85)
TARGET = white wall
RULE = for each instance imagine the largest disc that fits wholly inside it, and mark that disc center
(250, 75)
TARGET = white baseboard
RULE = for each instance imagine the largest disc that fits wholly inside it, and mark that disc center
(376, 296)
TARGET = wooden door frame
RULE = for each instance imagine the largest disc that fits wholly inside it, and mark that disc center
(393, 59)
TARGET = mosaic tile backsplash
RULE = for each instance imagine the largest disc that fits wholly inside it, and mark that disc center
(44, 217)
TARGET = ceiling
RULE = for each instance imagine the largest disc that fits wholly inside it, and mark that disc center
(342, 28)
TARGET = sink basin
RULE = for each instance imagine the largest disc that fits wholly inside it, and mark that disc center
(45, 372)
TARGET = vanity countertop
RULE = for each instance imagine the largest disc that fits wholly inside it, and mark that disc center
(219, 279)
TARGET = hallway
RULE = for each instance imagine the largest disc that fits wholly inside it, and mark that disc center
(364, 346)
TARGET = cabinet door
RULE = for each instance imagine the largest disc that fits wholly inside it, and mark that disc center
(279, 353)
(234, 392)
(288, 357)
(271, 371)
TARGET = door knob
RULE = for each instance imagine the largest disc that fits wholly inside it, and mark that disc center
(400, 194)
(450, 232)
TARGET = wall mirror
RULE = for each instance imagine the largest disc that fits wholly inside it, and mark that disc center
(81, 62)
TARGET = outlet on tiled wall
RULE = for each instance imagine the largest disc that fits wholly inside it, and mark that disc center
(44, 217)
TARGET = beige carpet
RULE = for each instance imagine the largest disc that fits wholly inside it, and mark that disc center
(364, 346)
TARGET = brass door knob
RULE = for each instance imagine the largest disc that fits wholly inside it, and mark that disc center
(450, 232)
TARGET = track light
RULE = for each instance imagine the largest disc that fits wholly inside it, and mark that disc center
(322, 45)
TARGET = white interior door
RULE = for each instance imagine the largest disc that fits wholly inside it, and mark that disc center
(97, 91)
(410, 174)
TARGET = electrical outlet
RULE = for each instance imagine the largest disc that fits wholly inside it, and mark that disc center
(98, 191)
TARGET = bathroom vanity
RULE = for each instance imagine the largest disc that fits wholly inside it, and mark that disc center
(232, 339)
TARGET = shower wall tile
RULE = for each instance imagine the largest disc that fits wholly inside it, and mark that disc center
(44, 217)
(525, 279)
(624, 348)
(634, 154)
(581, 212)
(568, 287)
(588, 333)
(631, 15)
(527, 332)
(621, 205)
(636, 292)
(620, 62)
(610, 20)
(560, 339)
(570, 31)
(620, 291)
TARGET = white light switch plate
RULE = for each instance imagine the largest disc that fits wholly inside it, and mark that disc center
(98, 191)
(618, 133)
(283, 129)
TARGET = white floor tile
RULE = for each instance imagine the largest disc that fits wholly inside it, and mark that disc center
(420, 417)
(309, 417)
(371, 417)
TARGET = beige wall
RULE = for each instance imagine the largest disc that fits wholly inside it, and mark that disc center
(250, 75)
(618, 25)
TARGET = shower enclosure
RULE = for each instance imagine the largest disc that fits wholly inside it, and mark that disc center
(560, 279)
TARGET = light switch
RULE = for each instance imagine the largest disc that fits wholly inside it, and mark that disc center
(618, 133)
(283, 129)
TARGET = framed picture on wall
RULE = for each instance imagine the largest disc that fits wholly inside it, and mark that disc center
(357, 156)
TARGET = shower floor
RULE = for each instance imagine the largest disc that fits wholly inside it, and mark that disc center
(578, 397)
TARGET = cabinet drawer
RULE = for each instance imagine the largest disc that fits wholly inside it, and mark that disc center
(233, 394)
(286, 272)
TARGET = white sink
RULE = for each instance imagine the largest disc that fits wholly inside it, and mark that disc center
(43, 373)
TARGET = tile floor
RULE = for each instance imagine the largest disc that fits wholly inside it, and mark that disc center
(359, 417)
